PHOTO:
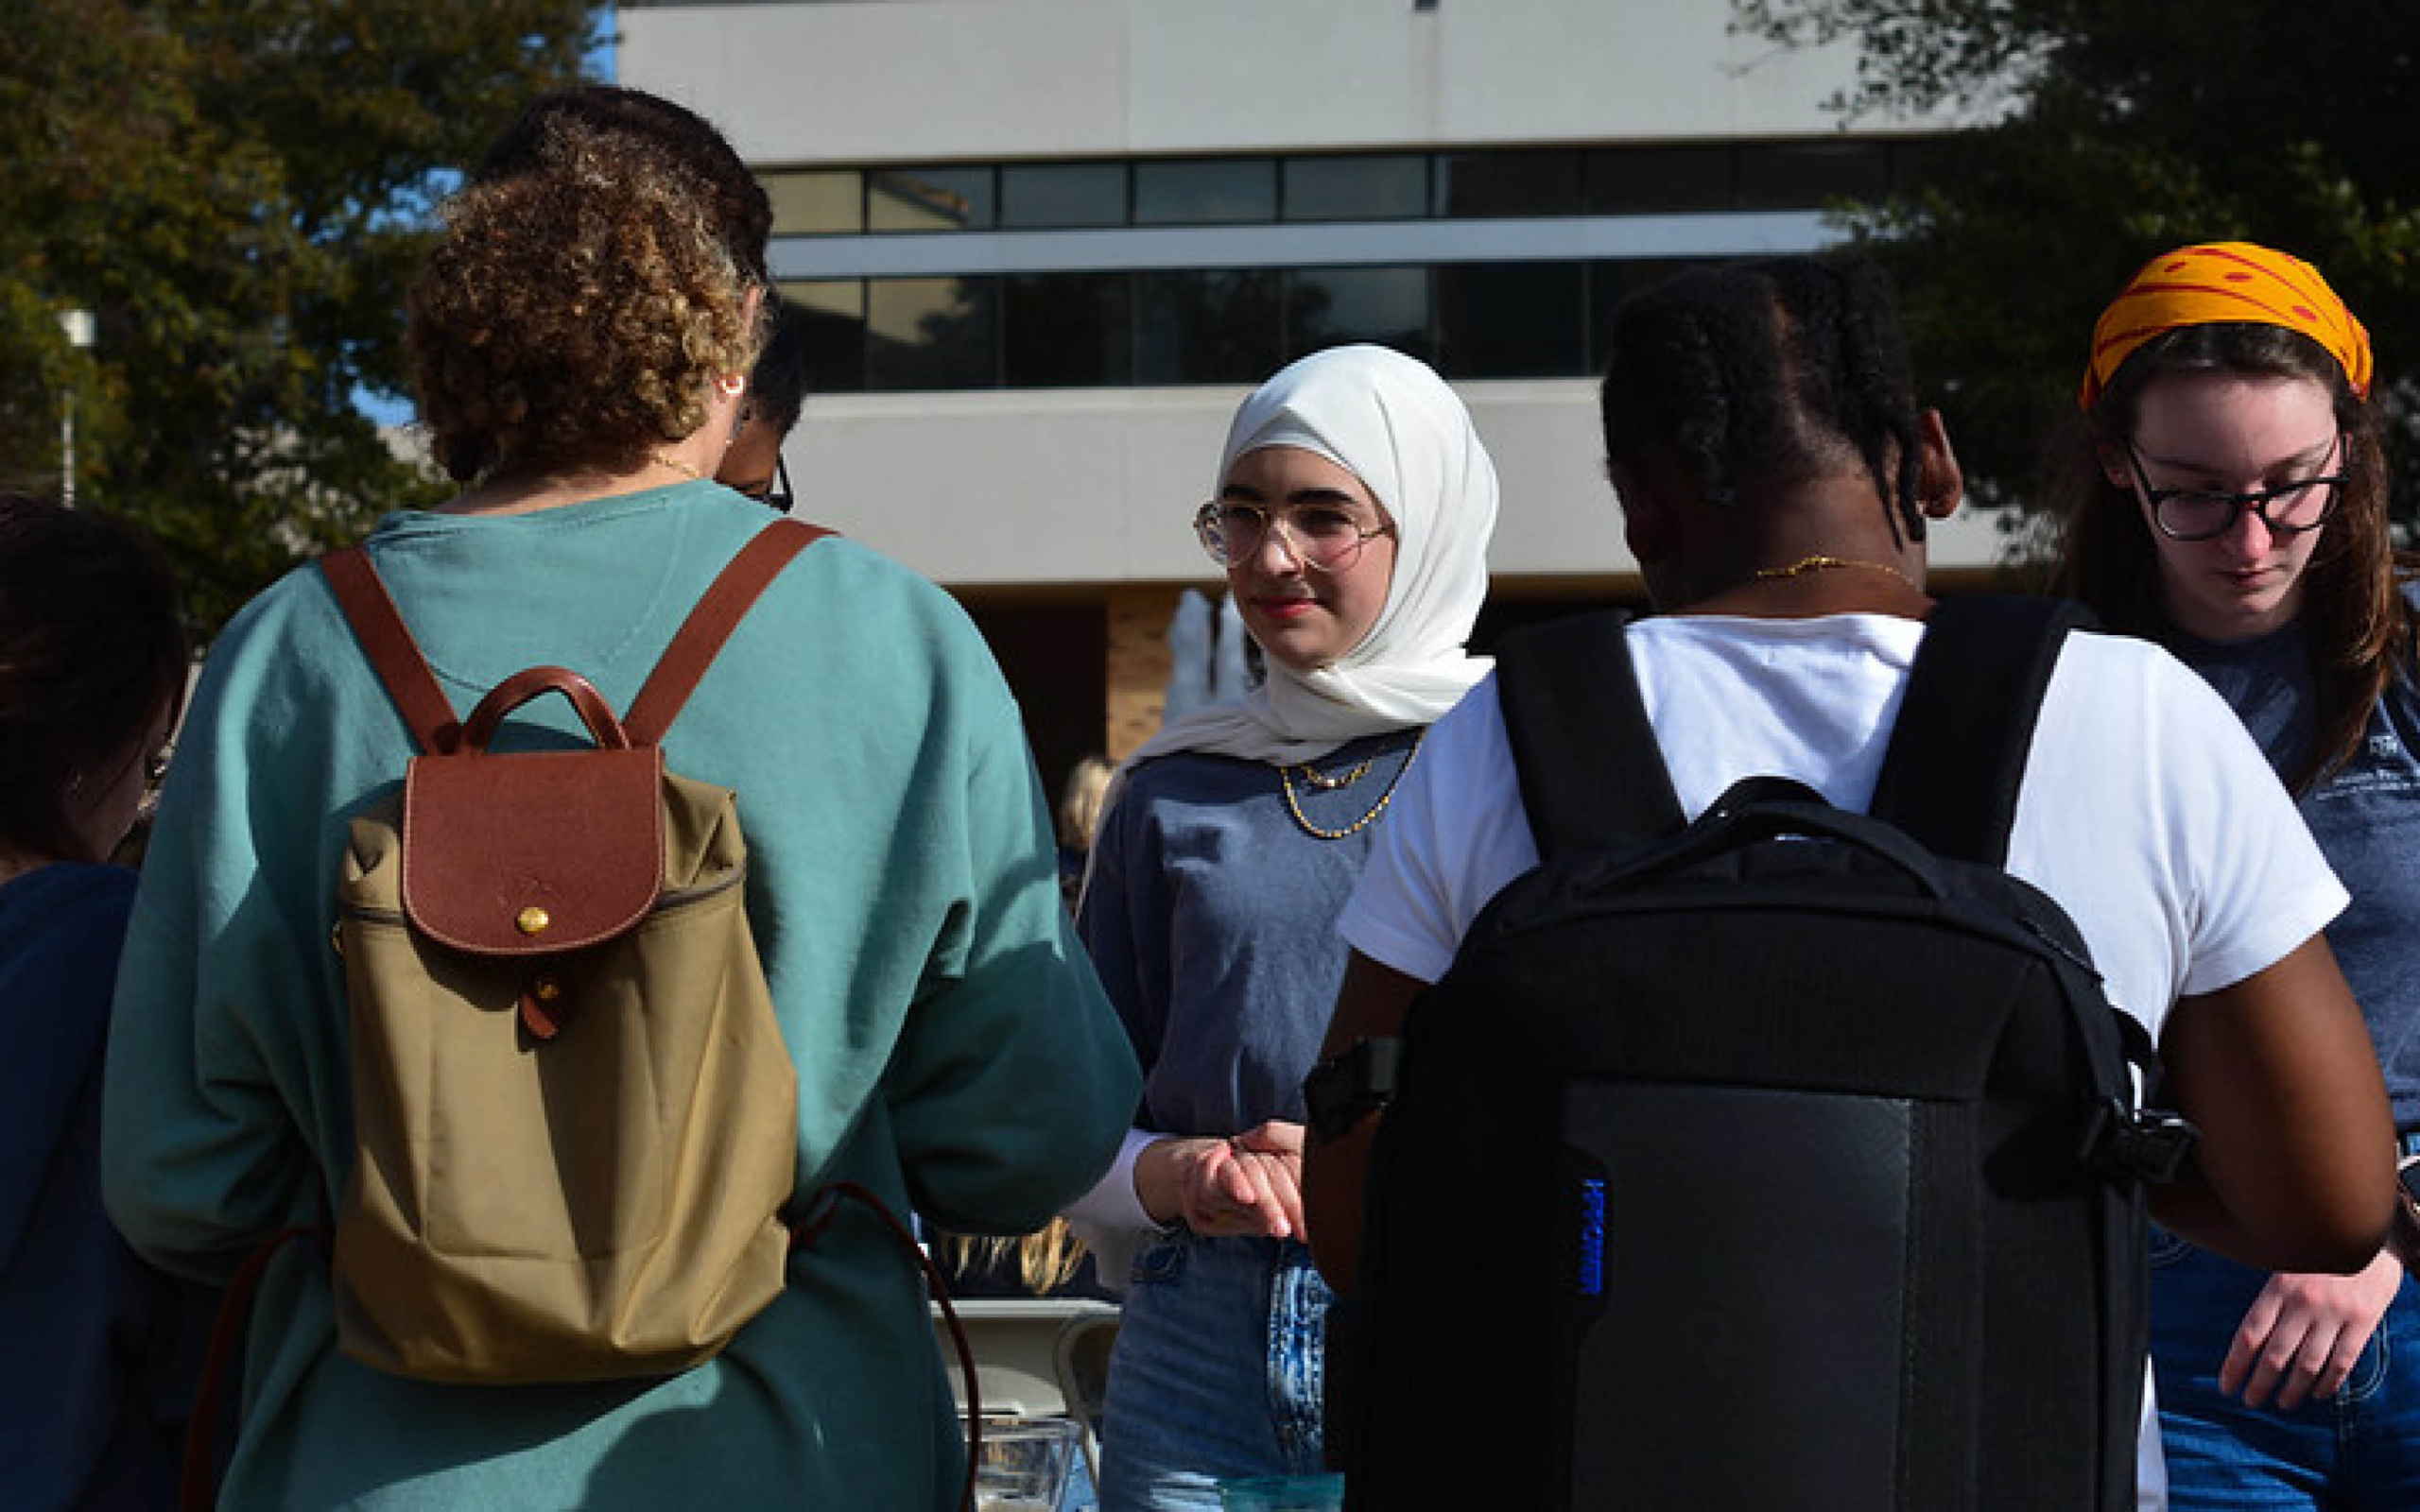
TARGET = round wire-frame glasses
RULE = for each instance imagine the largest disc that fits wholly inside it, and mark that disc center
(1321, 538)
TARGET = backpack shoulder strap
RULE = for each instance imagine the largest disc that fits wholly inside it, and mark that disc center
(392, 652)
(702, 636)
(1591, 775)
(1958, 751)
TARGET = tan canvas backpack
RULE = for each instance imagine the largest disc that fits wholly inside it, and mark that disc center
(575, 1120)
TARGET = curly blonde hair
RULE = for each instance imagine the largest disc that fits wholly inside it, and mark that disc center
(576, 311)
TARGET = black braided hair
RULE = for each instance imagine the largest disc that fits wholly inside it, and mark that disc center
(1759, 374)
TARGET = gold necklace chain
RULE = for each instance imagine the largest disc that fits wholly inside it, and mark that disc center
(1328, 784)
(1816, 564)
(676, 465)
(1294, 804)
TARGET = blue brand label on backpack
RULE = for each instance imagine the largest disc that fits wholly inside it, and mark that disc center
(1592, 1237)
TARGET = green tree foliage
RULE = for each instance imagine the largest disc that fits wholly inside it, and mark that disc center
(2120, 128)
(238, 190)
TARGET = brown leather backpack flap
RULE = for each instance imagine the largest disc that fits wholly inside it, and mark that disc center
(533, 854)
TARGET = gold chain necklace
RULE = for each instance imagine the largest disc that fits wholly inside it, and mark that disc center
(1816, 564)
(1294, 804)
(1329, 784)
(676, 465)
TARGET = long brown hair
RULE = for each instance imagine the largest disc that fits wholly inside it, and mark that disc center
(2358, 626)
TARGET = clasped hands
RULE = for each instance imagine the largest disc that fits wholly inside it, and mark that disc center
(1248, 1184)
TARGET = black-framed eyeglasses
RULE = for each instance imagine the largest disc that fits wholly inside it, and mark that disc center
(2201, 514)
(1321, 537)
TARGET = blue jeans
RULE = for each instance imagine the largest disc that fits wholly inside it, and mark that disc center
(1217, 1373)
(2357, 1449)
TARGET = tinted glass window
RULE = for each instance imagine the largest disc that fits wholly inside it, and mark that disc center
(1329, 306)
(1608, 283)
(1215, 326)
(1810, 175)
(836, 332)
(1356, 188)
(1511, 320)
(818, 203)
(931, 332)
(1063, 329)
(1036, 195)
(1508, 183)
(1198, 193)
(929, 199)
(1658, 180)
(1919, 166)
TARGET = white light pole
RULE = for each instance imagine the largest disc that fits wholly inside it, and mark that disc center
(79, 326)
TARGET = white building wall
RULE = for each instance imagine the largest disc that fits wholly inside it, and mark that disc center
(933, 80)
(1077, 487)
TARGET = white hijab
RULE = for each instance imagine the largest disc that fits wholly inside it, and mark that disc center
(1395, 425)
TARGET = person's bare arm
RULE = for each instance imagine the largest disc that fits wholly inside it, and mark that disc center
(1371, 1003)
(2295, 1170)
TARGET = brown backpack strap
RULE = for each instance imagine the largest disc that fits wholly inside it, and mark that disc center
(710, 624)
(823, 1208)
(199, 1470)
(396, 657)
(392, 652)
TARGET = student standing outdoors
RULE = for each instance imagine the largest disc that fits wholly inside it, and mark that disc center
(582, 337)
(98, 1352)
(2229, 500)
(1776, 474)
(1353, 509)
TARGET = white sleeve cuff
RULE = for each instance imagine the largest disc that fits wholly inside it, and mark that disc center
(1113, 1205)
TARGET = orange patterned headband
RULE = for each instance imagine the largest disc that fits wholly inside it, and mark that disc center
(2221, 281)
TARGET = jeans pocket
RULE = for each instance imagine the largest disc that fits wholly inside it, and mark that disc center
(1160, 1263)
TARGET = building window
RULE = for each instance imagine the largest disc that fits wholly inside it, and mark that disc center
(1608, 283)
(1810, 175)
(817, 203)
(929, 199)
(1234, 191)
(1331, 306)
(1918, 165)
(992, 323)
(1039, 195)
(1208, 326)
(931, 332)
(836, 332)
(1491, 184)
(1658, 180)
(1360, 187)
(1511, 320)
(1066, 330)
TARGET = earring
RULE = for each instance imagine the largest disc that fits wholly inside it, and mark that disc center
(733, 384)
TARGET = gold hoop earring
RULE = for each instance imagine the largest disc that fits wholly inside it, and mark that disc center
(733, 384)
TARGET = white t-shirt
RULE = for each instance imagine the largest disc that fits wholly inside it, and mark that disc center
(2146, 810)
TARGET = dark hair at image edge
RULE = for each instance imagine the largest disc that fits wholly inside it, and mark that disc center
(778, 391)
(92, 647)
(1755, 376)
(2357, 624)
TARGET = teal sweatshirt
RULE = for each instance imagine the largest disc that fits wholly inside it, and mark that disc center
(953, 1050)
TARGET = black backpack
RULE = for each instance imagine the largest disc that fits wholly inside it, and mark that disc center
(1787, 1158)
